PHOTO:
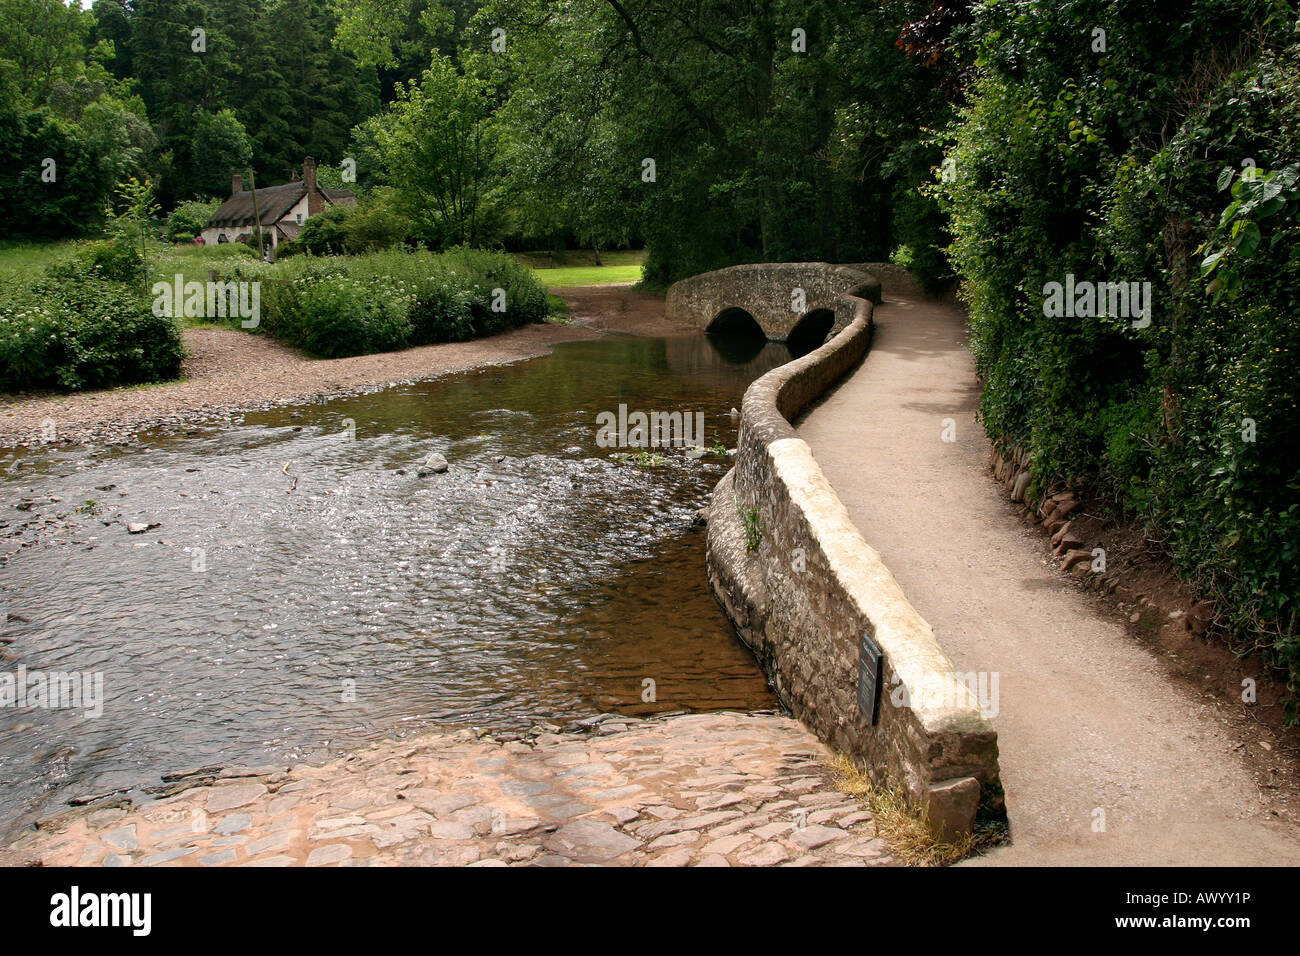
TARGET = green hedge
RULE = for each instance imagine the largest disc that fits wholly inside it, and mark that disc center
(354, 305)
(1127, 165)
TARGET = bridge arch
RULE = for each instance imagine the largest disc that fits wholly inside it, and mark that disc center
(733, 320)
(810, 332)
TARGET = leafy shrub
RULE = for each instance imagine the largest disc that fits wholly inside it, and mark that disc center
(349, 305)
(442, 311)
(524, 298)
(113, 259)
(374, 225)
(377, 223)
(29, 340)
(187, 219)
(350, 317)
(322, 234)
(81, 331)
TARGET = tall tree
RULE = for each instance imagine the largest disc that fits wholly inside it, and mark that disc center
(436, 149)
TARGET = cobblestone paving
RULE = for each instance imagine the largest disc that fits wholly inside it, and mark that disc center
(696, 790)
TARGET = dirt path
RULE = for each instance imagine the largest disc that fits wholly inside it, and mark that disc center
(1092, 728)
(720, 789)
(229, 372)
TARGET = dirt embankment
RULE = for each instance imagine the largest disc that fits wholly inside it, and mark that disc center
(229, 372)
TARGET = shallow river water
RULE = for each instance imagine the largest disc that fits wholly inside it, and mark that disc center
(540, 577)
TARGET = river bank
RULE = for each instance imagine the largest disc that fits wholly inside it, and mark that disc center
(229, 373)
(721, 789)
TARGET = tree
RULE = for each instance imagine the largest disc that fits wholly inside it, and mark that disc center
(41, 41)
(436, 148)
(220, 146)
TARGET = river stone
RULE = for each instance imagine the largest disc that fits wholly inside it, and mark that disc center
(123, 838)
(233, 824)
(769, 854)
(103, 818)
(435, 464)
(333, 853)
(451, 831)
(274, 842)
(522, 788)
(590, 840)
(168, 855)
(226, 798)
(815, 835)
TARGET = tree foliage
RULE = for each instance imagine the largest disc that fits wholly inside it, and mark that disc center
(1161, 150)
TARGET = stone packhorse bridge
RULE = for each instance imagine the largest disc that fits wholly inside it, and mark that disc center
(795, 302)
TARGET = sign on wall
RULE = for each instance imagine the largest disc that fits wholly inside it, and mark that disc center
(870, 660)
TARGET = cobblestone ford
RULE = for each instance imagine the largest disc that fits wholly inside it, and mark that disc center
(696, 790)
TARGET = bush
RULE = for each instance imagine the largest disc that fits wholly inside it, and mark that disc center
(186, 220)
(521, 299)
(1117, 168)
(81, 331)
(349, 305)
(345, 316)
(442, 311)
(322, 235)
(112, 259)
(375, 225)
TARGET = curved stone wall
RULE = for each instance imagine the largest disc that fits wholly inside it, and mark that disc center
(812, 587)
(779, 295)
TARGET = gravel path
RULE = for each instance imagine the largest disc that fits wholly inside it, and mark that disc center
(1105, 758)
(706, 790)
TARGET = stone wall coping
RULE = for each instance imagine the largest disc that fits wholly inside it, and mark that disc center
(902, 633)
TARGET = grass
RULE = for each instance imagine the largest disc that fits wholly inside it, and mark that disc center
(561, 314)
(642, 459)
(753, 523)
(906, 830)
(578, 268)
(25, 261)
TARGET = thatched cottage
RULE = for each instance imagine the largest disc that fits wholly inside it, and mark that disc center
(282, 209)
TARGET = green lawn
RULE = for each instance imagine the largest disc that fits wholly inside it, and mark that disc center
(26, 260)
(579, 268)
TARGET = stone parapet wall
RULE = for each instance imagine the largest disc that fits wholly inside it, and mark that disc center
(812, 587)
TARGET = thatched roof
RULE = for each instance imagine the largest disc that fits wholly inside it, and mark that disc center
(273, 204)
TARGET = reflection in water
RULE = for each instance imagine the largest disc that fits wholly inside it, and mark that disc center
(738, 349)
(538, 578)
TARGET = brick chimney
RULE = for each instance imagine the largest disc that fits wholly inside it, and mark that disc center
(315, 200)
(236, 184)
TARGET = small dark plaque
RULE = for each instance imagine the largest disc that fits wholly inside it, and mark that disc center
(869, 661)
